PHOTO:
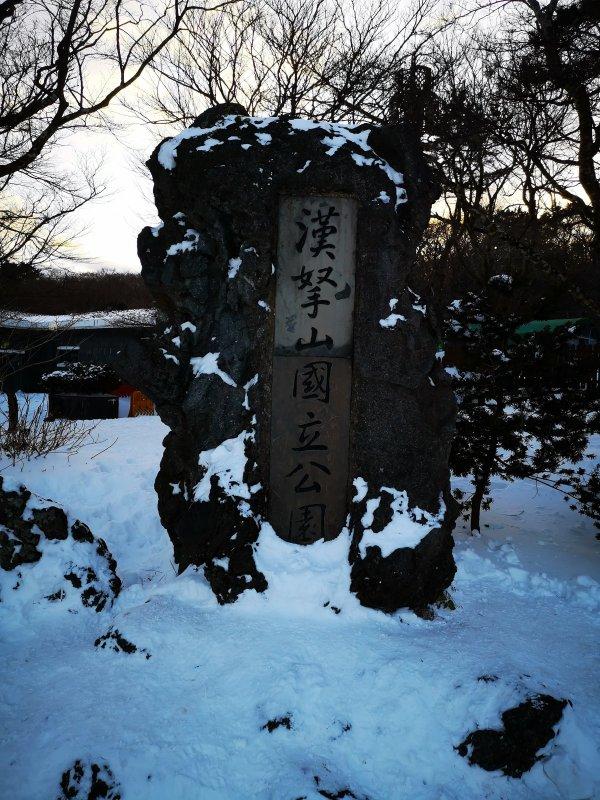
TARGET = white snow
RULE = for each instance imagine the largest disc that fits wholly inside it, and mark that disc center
(188, 326)
(377, 702)
(190, 240)
(391, 320)
(264, 304)
(338, 136)
(383, 197)
(209, 144)
(361, 487)
(227, 461)
(168, 150)
(407, 527)
(208, 365)
(247, 386)
(234, 266)
(304, 167)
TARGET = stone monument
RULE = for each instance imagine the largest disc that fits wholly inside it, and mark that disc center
(298, 371)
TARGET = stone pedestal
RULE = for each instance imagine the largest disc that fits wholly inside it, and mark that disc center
(298, 373)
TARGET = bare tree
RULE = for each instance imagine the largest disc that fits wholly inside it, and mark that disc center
(326, 59)
(547, 57)
(64, 63)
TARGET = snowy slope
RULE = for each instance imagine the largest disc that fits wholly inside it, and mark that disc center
(376, 703)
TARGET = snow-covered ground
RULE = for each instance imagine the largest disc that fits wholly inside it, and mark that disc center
(376, 703)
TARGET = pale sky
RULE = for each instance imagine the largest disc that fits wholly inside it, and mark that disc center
(113, 221)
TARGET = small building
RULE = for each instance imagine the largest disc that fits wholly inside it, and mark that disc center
(41, 354)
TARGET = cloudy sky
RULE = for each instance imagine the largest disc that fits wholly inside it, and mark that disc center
(113, 221)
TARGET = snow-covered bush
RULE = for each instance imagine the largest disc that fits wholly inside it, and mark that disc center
(44, 559)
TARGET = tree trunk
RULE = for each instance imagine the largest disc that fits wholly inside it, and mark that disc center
(13, 410)
(482, 484)
(476, 507)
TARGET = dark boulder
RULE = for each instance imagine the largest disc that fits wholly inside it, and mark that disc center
(89, 781)
(514, 748)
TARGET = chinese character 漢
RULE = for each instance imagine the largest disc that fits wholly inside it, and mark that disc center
(322, 229)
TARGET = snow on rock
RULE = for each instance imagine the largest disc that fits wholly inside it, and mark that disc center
(391, 320)
(397, 178)
(398, 558)
(189, 243)
(168, 150)
(233, 267)
(247, 386)
(208, 365)
(227, 461)
(338, 136)
(361, 487)
(88, 780)
(45, 559)
(407, 527)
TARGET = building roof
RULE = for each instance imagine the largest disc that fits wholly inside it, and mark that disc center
(133, 318)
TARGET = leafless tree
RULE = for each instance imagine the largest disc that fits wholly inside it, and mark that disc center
(547, 58)
(326, 59)
(64, 63)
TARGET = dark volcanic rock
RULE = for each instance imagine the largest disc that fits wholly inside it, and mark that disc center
(211, 265)
(84, 562)
(278, 722)
(114, 640)
(514, 749)
(89, 781)
(413, 577)
(52, 521)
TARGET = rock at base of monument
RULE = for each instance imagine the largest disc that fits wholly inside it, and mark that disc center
(37, 546)
(89, 781)
(234, 575)
(220, 543)
(514, 749)
(408, 577)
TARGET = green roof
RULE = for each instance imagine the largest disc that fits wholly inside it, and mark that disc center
(537, 325)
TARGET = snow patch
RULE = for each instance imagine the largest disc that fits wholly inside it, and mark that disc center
(247, 386)
(361, 487)
(234, 267)
(227, 461)
(391, 320)
(407, 527)
(208, 365)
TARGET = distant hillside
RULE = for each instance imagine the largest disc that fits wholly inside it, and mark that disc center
(71, 293)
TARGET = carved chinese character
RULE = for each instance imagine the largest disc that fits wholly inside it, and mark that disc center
(311, 382)
(308, 521)
(314, 341)
(323, 231)
(309, 434)
(304, 484)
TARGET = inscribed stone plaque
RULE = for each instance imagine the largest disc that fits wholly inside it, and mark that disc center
(312, 367)
(315, 279)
